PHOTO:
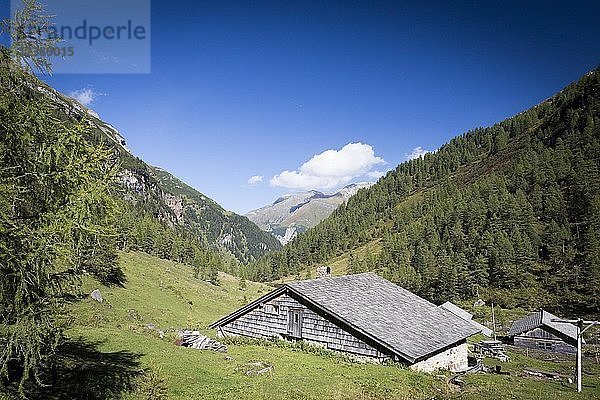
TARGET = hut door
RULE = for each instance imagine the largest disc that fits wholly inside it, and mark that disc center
(295, 323)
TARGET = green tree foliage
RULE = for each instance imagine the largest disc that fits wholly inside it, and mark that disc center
(55, 206)
(30, 30)
(509, 212)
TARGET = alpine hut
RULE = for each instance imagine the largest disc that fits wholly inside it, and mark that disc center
(364, 315)
(539, 331)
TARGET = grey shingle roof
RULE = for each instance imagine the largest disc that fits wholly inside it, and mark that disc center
(467, 316)
(410, 326)
(456, 310)
(565, 331)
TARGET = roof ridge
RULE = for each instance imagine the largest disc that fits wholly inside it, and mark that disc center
(332, 277)
(543, 318)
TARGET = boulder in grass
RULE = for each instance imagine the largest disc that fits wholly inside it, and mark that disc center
(96, 295)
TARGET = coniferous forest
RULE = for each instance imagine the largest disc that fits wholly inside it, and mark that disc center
(510, 213)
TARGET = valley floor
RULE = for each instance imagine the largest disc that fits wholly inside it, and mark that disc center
(114, 354)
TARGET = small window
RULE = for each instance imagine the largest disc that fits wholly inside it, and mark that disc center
(271, 309)
(545, 346)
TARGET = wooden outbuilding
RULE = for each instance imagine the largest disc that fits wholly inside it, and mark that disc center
(364, 315)
(539, 331)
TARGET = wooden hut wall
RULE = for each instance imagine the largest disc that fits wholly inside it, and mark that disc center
(541, 339)
(271, 320)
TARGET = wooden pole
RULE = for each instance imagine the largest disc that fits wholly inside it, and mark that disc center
(494, 321)
(579, 323)
(579, 339)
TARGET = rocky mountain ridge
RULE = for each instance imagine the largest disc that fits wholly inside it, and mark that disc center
(164, 196)
(292, 214)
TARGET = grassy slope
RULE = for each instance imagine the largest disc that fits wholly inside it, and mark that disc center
(339, 264)
(160, 293)
(166, 294)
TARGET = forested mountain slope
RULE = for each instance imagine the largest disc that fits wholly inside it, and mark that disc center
(510, 213)
(156, 193)
(245, 240)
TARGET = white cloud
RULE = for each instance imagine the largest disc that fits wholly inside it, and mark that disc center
(330, 168)
(376, 174)
(85, 96)
(417, 152)
(254, 180)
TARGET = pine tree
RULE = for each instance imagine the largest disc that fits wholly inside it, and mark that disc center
(54, 207)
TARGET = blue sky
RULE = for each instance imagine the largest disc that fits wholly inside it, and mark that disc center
(243, 89)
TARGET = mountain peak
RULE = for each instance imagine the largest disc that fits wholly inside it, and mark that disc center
(294, 213)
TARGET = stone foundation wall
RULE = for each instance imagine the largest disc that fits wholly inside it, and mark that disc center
(454, 359)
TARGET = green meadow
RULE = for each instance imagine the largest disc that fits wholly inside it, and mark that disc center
(112, 353)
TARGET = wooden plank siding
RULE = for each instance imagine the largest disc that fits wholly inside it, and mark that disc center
(271, 321)
(541, 339)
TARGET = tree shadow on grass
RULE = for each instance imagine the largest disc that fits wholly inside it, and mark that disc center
(81, 371)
